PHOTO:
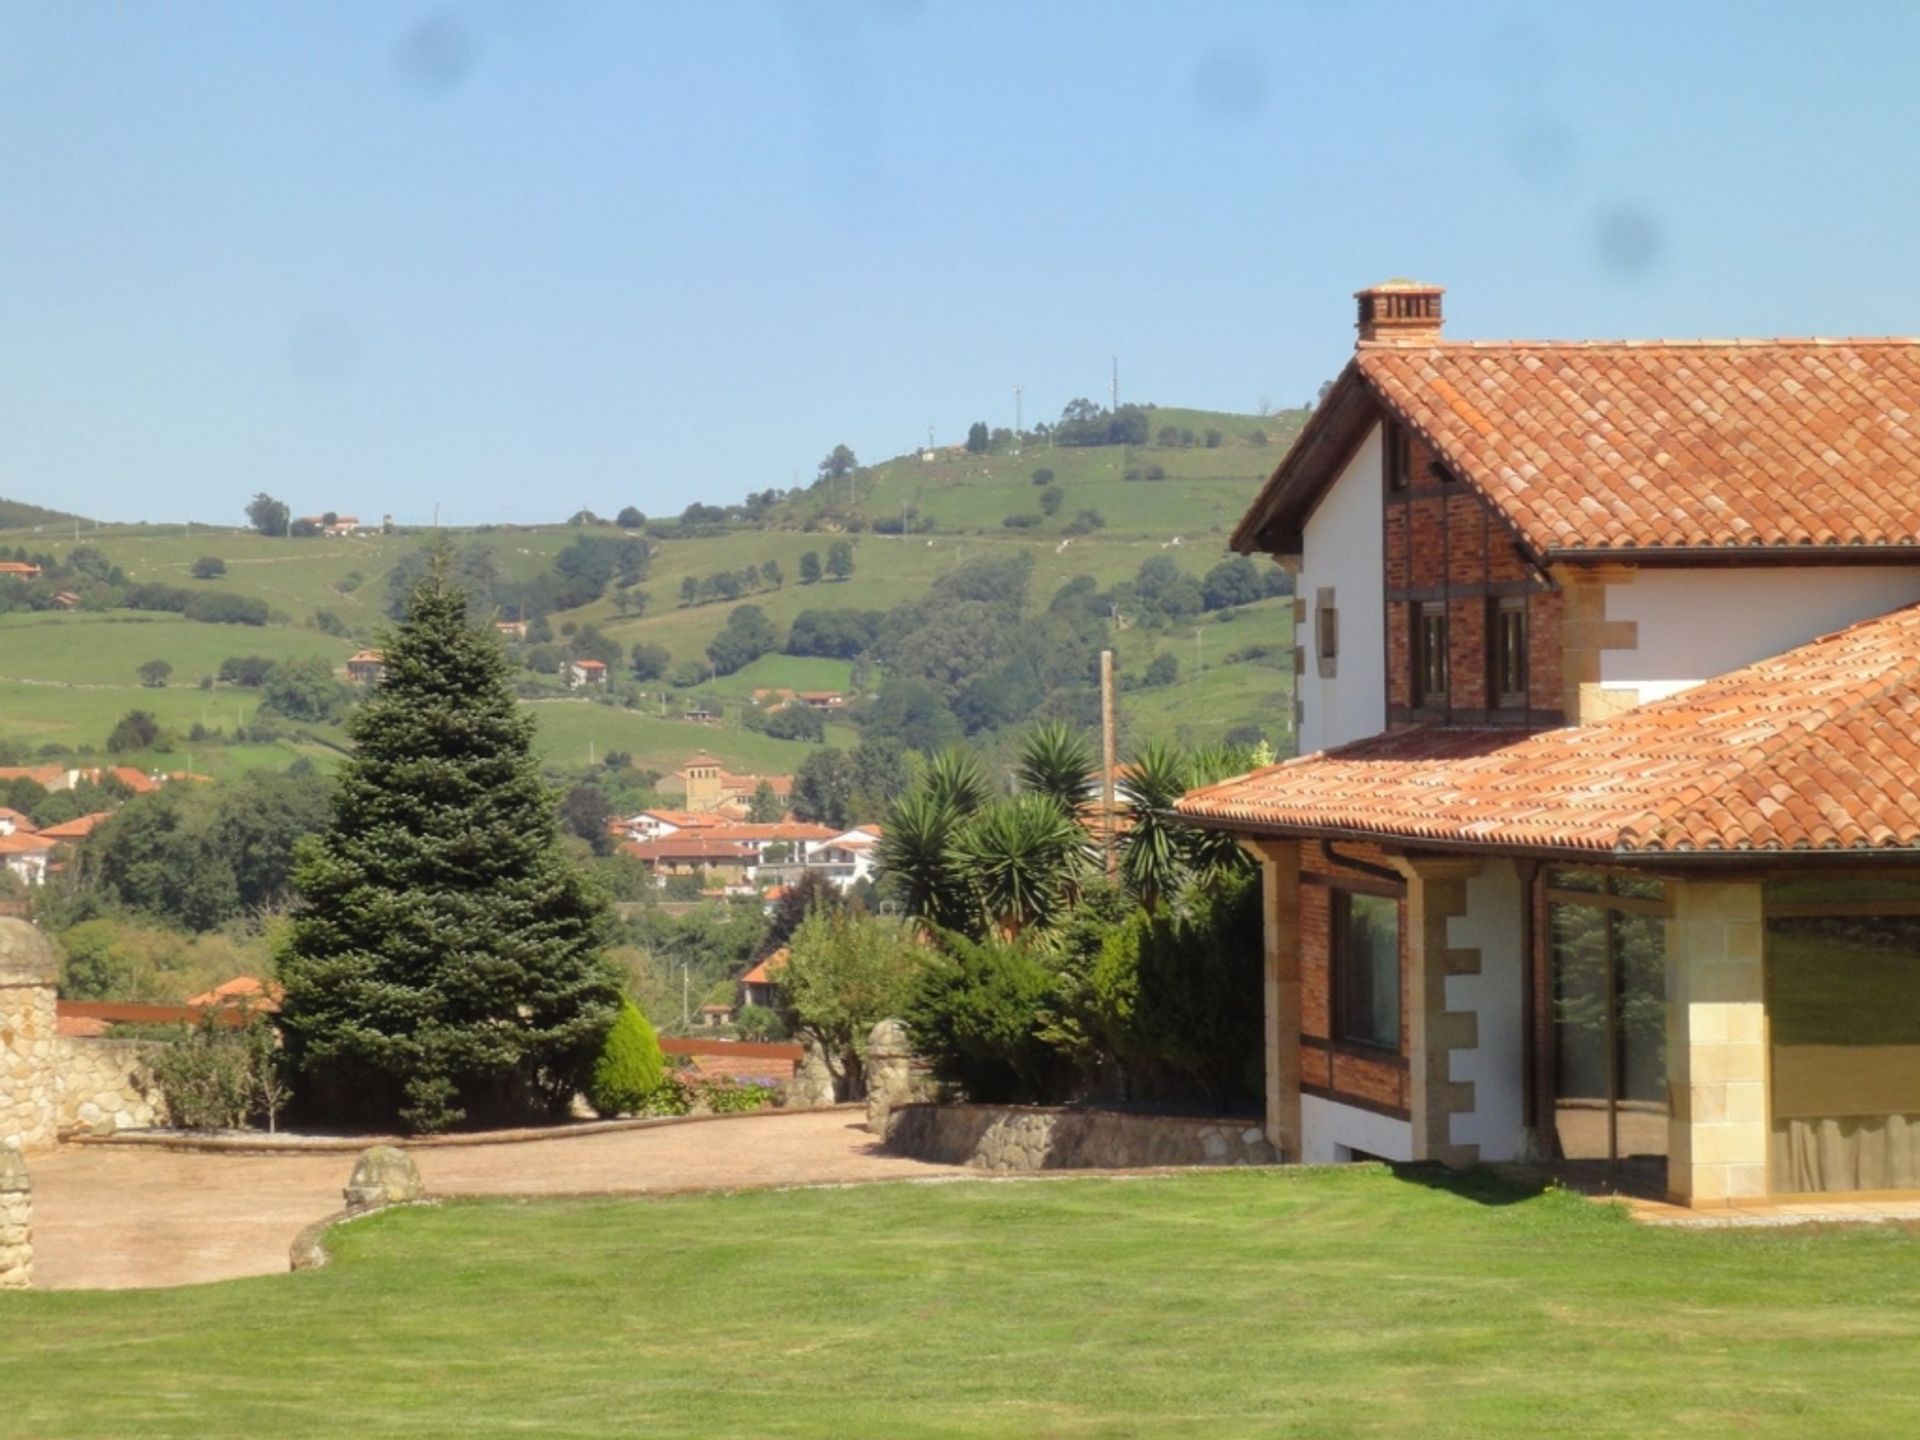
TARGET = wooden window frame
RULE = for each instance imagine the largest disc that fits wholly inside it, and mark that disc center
(1508, 663)
(1399, 457)
(1340, 900)
(1427, 655)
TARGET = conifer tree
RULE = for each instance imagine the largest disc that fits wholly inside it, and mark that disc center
(446, 963)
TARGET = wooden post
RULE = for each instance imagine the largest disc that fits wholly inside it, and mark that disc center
(1106, 759)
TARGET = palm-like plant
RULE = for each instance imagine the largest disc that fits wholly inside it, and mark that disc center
(1056, 760)
(955, 780)
(1214, 853)
(917, 849)
(1022, 856)
(1153, 854)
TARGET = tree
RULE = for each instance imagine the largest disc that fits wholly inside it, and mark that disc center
(766, 807)
(585, 812)
(1163, 669)
(846, 972)
(154, 674)
(1231, 582)
(446, 963)
(977, 438)
(268, 515)
(136, 730)
(839, 462)
(1057, 761)
(629, 518)
(630, 1066)
(810, 567)
(1021, 854)
(771, 575)
(840, 559)
(650, 661)
(209, 567)
(1050, 499)
(747, 635)
(822, 788)
(305, 690)
(689, 590)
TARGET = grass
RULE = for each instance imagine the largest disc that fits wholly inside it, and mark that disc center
(567, 728)
(1272, 1303)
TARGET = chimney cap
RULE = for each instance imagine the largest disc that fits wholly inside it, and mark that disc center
(1400, 310)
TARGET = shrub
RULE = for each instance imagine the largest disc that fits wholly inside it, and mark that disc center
(1050, 499)
(1085, 522)
(216, 1077)
(1021, 522)
(630, 1066)
(977, 1013)
(209, 567)
(756, 1022)
(1043, 476)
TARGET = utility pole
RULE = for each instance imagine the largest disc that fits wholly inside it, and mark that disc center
(685, 1016)
(1106, 760)
(1016, 417)
(1114, 389)
(1200, 644)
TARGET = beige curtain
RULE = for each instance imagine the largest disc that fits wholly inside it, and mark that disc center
(1851, 1152)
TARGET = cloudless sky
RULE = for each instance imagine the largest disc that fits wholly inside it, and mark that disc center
(515, 257)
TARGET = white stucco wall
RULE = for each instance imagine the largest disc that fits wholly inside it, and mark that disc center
(1493, 925)
(1330, 1132)
(1344, 547)
(1695, 624)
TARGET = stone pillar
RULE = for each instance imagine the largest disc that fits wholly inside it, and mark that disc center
(1716, 1044)
(889, 1073)
(1585, 632)
(812, 1085)
(28, 1037)
(1280, 896)
(1436, 892)
(16, 1221)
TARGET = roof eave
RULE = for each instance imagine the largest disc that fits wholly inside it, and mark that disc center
(1730, 556)
(1312, 463)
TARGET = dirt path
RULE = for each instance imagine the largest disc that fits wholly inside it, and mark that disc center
(108, 1218)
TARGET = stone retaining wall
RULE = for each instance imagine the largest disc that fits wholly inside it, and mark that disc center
(102, 1086)
(1006, 1138)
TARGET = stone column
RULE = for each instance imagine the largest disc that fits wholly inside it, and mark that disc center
(16, 1221)
(1436, 892)
(1280, 896)
(889, 1073)
(28, 1037)
(1716, 1044)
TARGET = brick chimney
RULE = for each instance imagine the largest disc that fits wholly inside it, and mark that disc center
(1399, 312)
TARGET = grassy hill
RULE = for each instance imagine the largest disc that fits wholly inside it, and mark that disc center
(66, 677)
(18, 515)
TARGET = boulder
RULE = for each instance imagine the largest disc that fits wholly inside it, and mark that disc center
(383, 1175)
(812, 1086)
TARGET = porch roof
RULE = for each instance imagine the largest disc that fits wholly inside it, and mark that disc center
(1815, 750)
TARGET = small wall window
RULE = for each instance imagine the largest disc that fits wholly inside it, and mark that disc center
(1507, 652)
(1326, 631)
(1429, 653)
(1399, 457)
(1366, 969)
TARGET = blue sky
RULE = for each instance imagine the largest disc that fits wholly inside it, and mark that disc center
(513, 258)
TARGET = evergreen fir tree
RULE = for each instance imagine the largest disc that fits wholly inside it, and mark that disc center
(446, 963)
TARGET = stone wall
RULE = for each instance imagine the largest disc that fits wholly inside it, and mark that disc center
(53, 1084)
(895, 1075)
(29, 1038)
(102, 1086)
(1006, 1138)
(16, 1222)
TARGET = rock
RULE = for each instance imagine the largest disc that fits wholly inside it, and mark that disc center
(812, 1086)
(383, 1175)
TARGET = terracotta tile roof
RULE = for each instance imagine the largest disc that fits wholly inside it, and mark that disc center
(78, 828)
(1817, 749)
(778, 830)
(247, 990)
(24, 843)
(766, 972)
(15, 819)
(81, 1027)
(1651, 445)
(46, 776)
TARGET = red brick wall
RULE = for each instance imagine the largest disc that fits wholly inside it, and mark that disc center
(1339, 1073)
(1443, 543)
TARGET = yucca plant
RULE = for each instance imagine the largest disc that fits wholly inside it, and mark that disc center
(955, 780)
(1022, 855)
(1153, 859)
(917, 849)
(1058, 761)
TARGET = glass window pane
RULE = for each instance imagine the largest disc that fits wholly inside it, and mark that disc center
(1592, 880)
(1843, 1005)
(1834, 891)
(1637, 887)
(1640, 970)
(1369, 979)
(1577, 935)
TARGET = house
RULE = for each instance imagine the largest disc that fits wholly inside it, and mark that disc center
(1604, 843)
(367, 667)
(586, 673)
(65, 600)
(331, 525)
(700, 715)
(712, 1016)
(510, 629)
(658, 824)
(18, 570)
(710, 787)
(25, 855)
(761, 985)
(725, 860)
(47, 777)
(823, 700)
(849, 857)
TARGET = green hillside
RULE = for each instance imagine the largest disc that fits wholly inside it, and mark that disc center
(66, 677)
(18, 515)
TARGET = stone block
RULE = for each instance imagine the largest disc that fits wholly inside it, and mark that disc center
(383, 1175)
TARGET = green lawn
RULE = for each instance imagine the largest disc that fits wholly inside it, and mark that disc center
(1239, 1303)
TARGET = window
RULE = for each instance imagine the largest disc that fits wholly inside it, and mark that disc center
(1326, 631)
(1366, 969)
(1429, 652)
(1507, 653)
(1399, 462)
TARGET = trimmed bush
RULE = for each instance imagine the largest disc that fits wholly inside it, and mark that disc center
(630, 1066)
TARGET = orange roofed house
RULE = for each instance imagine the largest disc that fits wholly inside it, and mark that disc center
(1604, 845)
